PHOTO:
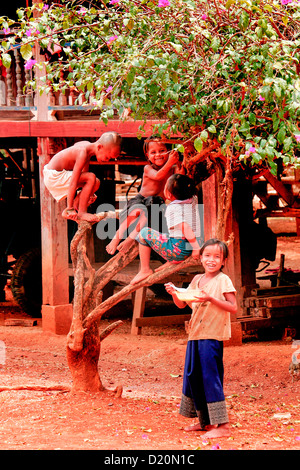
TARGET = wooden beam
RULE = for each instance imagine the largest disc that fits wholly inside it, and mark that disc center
(275, 291)
(281, 212)
(74, 128)
(284, 192)
(283, 302)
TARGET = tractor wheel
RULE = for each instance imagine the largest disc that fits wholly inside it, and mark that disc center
(26, 282)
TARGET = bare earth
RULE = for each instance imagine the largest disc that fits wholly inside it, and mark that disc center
(263, 402)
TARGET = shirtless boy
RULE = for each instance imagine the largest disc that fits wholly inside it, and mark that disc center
(162, 164)
(68, 171)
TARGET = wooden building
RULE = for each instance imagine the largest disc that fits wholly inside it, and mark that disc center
(41, 125)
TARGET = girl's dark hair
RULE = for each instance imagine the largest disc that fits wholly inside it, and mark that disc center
(153, 138)
(216, 241)
(181, 187)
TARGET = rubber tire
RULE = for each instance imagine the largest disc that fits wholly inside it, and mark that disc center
(26, 282)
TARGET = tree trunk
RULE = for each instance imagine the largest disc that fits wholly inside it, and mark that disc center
(83, 364)
(225, 191)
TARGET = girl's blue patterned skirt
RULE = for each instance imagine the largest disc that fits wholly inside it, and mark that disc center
(171, 249)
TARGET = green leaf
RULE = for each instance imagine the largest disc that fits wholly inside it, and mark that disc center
(244, 128)
(215, 44)
(177, 47)
(244, 20)
(252, 118)
(90, 86)
(180, 148)
(287, 144)
(281, 134)
(277, 90)
(204, 135)
(6, 60)
(212, 129)
(198, 143)
(276, 122)
(26, 51)
(229, 3)
(130, 77)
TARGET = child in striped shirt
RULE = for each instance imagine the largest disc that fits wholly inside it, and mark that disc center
(183, 222)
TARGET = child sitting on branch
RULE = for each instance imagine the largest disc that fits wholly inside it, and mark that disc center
(68, 171)
(162, 164)
(183, 222)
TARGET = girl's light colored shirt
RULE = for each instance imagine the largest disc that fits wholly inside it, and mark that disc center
(183, 211)
(209, 321)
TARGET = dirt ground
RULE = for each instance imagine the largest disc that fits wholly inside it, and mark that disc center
(262, 400)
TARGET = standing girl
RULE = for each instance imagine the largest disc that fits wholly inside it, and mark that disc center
(210, 325)
(183, 222)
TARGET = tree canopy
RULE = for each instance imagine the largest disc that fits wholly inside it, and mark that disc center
(220, 71)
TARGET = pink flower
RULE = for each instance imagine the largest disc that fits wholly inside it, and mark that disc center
(216, 447)
(113, 2)
(285, 2)
(297, 136)
(45, 7)
(29, 64)
(109, 89)
(163, 3)
(111, 39)
(261, 98)
(250, 150)
(82, 11)
(6, 31)
(204, 17)
(29, 32)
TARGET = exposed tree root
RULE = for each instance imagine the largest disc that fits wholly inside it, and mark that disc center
(37, 388)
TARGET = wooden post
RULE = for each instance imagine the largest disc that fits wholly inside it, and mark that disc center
(138, 309)
(56, 308)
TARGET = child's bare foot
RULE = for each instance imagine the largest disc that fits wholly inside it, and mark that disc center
(141, 276)
(194, 427)
(123, 246)
(70, 214)
(223, 430)
(198, 427)
(112, 246)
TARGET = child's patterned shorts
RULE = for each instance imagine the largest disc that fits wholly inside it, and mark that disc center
(171, 249)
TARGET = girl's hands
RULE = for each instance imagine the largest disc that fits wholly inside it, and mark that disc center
(173, 157)
(202, 297)
(169, 286)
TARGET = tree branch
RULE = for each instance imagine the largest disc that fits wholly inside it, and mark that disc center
(97, 313)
